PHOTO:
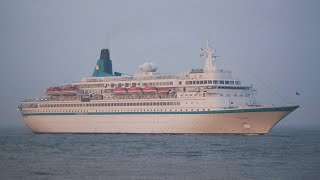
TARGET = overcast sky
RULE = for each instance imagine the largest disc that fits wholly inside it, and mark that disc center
(273, 44)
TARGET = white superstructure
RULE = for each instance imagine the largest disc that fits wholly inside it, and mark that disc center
(206, 100)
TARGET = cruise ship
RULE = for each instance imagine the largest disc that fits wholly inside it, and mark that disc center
(208, 100)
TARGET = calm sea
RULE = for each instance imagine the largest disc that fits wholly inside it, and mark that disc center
(286, 153)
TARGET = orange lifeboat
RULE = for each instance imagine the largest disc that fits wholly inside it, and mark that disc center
(53, 91)
(163, 90)
(134, 89)
(69, 90)
(120, 90)
(150, 89)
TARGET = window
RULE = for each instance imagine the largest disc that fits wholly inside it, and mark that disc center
(231, 82)
(201, 82)
(209, 81)
(237, 82)
(180, 83)
(215, 82)
(205, 82)
(226, 82)
(221, 82)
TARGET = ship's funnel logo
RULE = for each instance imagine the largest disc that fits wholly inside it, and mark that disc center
(104, 65)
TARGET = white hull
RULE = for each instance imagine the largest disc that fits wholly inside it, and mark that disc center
(220, 123)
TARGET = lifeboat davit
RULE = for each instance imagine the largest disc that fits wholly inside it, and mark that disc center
(134, 89)
(120, 90)
(150, 89)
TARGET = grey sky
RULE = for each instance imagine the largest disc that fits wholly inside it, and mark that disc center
(274, 44)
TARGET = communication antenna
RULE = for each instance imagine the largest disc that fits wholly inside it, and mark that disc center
(208, 54)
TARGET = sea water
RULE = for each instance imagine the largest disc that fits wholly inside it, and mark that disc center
(286, 153)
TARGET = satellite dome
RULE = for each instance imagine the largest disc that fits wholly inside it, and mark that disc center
(148, 67)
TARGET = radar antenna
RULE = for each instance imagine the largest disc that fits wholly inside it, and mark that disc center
(208, 54)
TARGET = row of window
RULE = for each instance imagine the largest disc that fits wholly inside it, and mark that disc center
(214, 82)
(117, 110)
(112, 85)
(112, 104)
(139, 84)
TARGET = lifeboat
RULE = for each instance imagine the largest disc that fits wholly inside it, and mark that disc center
(163, 90)
(64, 90)
(120, 90)
(134, 89)
(53, 91)
(150, 89)
(69, 90)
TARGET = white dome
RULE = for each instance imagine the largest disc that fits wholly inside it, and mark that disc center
(148, 67)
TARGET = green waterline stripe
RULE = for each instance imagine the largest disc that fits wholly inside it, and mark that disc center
(276, 109)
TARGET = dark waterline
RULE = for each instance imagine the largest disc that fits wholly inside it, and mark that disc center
(286, 153)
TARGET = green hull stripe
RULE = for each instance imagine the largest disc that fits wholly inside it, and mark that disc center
(271, 109)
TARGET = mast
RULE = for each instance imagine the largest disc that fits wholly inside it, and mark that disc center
(208, 54)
